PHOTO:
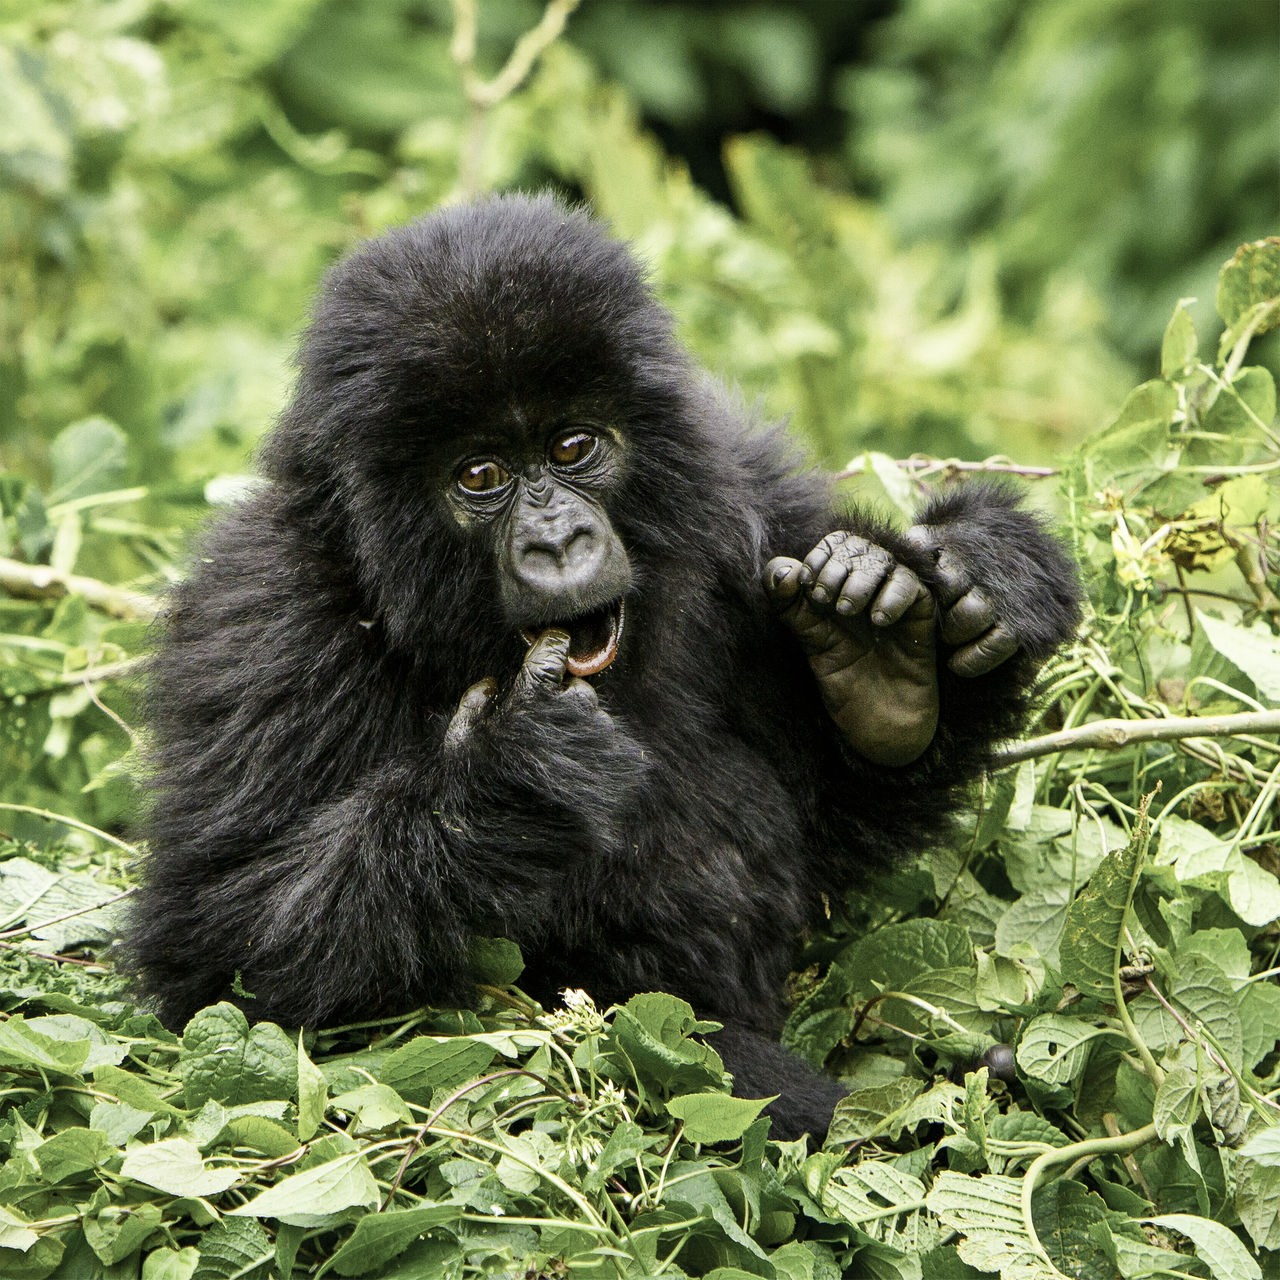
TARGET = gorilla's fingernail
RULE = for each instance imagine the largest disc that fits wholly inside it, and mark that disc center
(880, 618)
(818, 595)
(844, 606)
(806, 575)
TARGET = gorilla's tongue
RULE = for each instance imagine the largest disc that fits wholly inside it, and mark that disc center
(593, 638)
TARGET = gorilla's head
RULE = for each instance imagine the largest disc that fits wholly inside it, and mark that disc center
(494, 421)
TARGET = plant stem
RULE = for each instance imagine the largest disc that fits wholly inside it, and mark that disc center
(40, 582)
(1112, 734)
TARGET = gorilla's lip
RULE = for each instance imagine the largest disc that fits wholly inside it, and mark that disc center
(593, 637)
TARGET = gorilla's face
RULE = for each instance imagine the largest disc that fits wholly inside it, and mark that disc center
(540, 497)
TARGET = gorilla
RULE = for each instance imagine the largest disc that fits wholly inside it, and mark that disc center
(536, 633)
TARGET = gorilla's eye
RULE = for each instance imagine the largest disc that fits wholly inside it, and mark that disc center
(483, 476)
(571, 447)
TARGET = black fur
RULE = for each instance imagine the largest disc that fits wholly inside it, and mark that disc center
(311, 832)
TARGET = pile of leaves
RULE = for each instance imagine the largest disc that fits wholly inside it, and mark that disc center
(1059, 1030)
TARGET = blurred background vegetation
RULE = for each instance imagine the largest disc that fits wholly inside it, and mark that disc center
(948, 226)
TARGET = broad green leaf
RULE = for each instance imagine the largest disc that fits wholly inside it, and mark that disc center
(225, 1059)
(21, 1046)
(175, 1165)
(87, 457)
(316, 1197)
(654, 1032)
(118, 1120)
(1257, 1201)
(1178, 350)
(374, 1107)
(1093, 940)
(118, 1231)
(715, 1117)
(1253, 649)
(14, 1231)
(1218, 1247)
(986, 1212)
(1241, 409)
(1250, 277)
(71, 1153)
(496, 961)
(313, 1094)
(1055, 1048)
(1264, 1147)
(1072, 1225)
(379, 1237)
(864, 1112)
(235, 1247)
(417, 1069)
(170, 1264)
(1177, 1101)
(1202, 993)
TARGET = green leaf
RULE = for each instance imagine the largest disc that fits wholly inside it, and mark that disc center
(175, 1165)
(1253, 649)
(87, 457)
(222, 1058)
(118, 1230)
(1202, 993)
(235, 1247)
(313, 1094)
(71, 1153)
(986, 1212)
(1093, 940)
(654, 1032)
(14, 1231)
(1177, 1101)
(496, 961)
(1264, 1147)
(715, 1117)
(1257, 1201)
(1249, 278)
(317, 1197)
(1178, 350)
(1072, 1225)
(22, 1046)
(379, 1237)
(1219, 1248)
(417, 1069)
(374, 1107)
(1056, 1049)
(170, 1264)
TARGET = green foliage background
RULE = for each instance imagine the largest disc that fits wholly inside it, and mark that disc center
(1061, 1028)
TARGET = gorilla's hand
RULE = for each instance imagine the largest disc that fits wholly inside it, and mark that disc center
(868, 626)
(969, 619)
(539, 690)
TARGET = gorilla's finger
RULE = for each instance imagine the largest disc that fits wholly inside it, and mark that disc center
(922, 538)
(578, 690)
(968, 618)
(985, 654)
(472, 708)
(898, 594)
(816, 560)
(782, 580)
(831, 579)
(545, 663)
(867, 571)
(951, 578)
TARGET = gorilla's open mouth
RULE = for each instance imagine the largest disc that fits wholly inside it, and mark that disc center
(593, 637)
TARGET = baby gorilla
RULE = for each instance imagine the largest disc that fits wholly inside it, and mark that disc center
(536, 633)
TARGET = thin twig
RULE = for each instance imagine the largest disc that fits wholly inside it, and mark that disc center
(919, 465)
(40, 582)
(1112, 734)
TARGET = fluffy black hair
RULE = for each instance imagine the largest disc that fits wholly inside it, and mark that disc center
(311, 832)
